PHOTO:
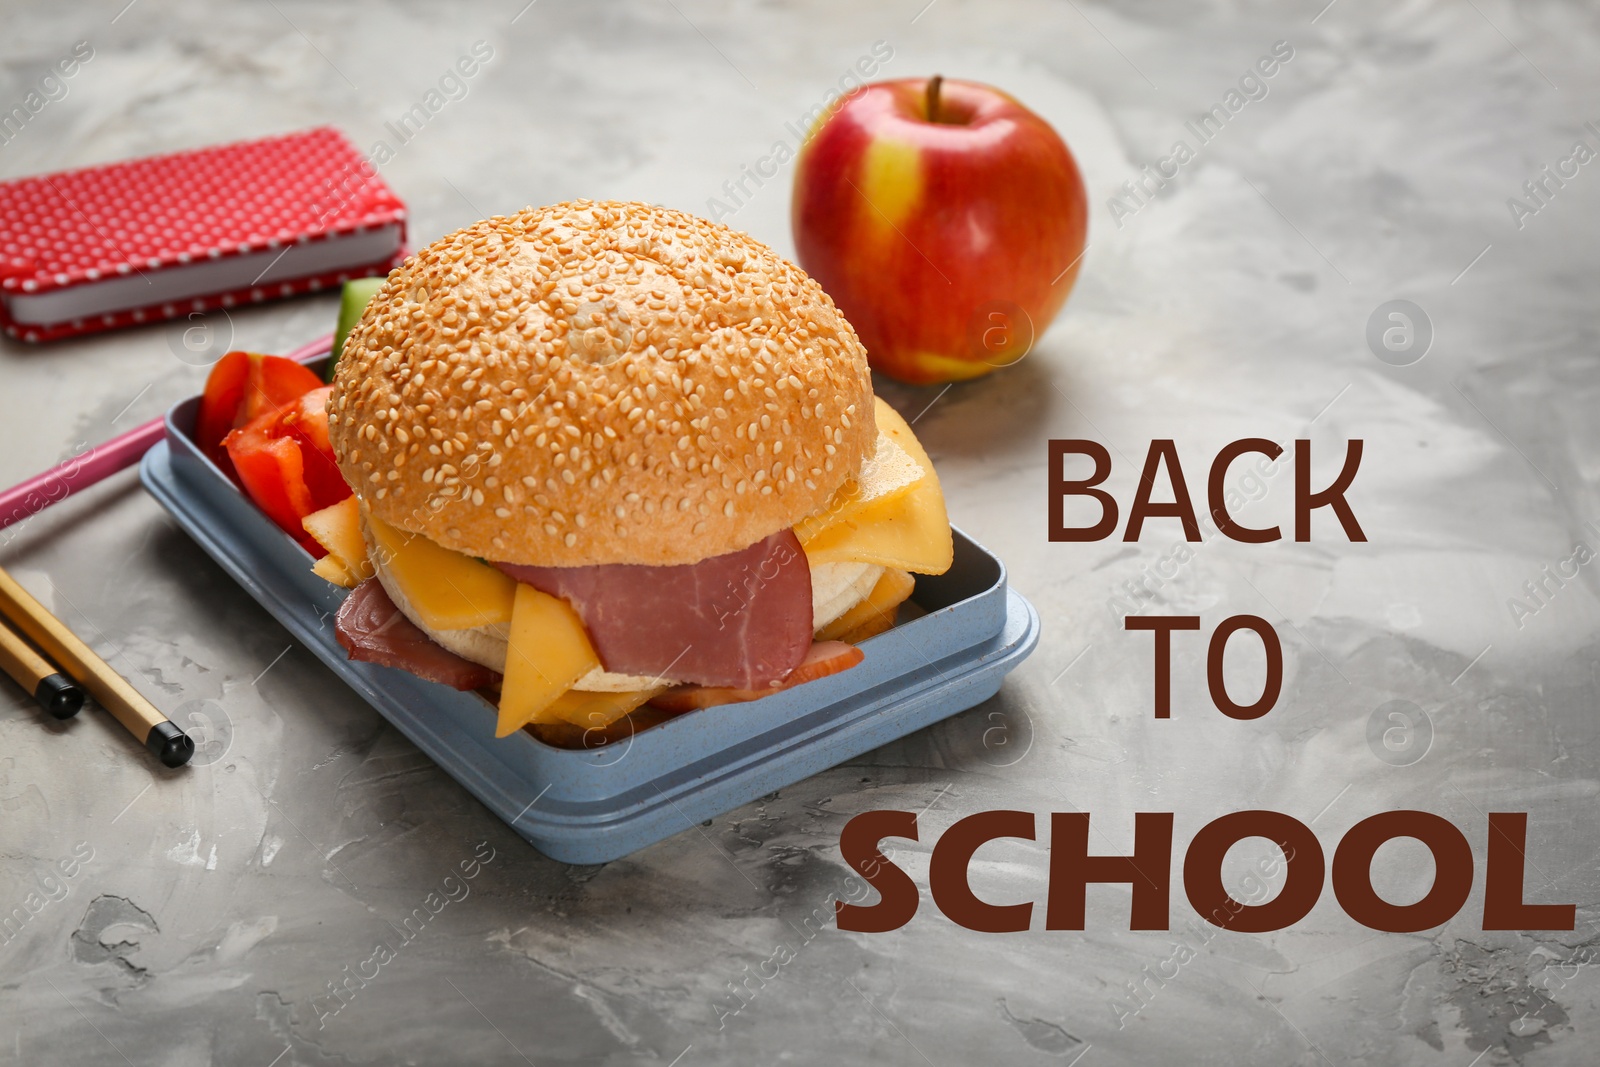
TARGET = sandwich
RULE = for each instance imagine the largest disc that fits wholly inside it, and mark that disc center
(619, 463)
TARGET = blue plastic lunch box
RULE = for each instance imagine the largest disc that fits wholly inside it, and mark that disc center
(594, 805)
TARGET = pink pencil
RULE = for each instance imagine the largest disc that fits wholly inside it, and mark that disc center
(104, 459)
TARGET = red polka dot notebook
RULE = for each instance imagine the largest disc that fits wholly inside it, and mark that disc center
(171, 236)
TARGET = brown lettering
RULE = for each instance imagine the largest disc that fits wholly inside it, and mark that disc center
(1503, 907)
(1148, 870)
(897, 893)
(947, 872)
(1452, 875)
(1216, 494)
(1305, 501)
(1061, 487)
(1214, 656)
(1163, 625)
(1181, 508)
(1303, 864)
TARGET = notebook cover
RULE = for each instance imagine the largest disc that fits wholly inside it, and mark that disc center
(144, 216)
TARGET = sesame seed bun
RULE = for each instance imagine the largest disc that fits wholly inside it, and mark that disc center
(592, 383)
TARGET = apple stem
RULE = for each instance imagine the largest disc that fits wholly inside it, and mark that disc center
(933, 97)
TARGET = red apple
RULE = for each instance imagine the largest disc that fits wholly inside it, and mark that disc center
(945, 219)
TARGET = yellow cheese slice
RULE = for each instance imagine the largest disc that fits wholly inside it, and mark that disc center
(449, 591)
(330, 569)
(875, 613)
(886, 475)
(547, 652)
(338, 530)
(595, 711)
(884, 517)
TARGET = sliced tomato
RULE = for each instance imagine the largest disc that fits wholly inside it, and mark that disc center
(825, 658)
(243, 386)
(284, 461)
(306, 421)
(274, 383)
(221, 403)
(272, 471)
(264, 420)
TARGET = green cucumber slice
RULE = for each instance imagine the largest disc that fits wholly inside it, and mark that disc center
(358, 292)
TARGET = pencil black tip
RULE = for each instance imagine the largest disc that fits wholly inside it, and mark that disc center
(171, 745)
(60, 696)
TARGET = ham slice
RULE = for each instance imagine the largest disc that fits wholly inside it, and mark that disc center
(740, 620)
(824, 658)
(371, 628)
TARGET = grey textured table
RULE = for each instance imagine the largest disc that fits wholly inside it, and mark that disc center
(218, 904)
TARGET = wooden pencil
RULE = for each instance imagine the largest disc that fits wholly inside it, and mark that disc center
(158, 733)
(41, 679)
